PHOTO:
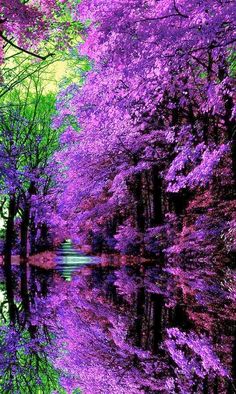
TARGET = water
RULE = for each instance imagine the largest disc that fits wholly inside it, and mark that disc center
(107, 326)
(69, 260)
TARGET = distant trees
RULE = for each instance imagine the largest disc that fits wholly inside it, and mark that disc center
(156, 114)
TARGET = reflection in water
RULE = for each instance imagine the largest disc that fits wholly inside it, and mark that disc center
(25, 342)
(68, 260)
(116, 327)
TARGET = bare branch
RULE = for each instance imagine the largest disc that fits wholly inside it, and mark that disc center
(178, 11)
(25, 50)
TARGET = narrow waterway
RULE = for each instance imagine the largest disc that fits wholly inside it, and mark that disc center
(68, 260)
(116, 325)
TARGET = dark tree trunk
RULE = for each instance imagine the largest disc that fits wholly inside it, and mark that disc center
(24, 232)
(43, 242)
(24, 290)
(33, 233)
(158, 302)
(137, 191)
(157, 197)
(205, 385)
(215, 386)
(179, 201)
(10, 230)
(10, 293)
(139, 316)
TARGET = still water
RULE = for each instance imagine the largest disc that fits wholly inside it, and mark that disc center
(116, 326)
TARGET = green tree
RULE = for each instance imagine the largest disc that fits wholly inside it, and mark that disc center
(27, 142)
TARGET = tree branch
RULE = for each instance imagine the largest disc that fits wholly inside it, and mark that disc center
(24, 50)
(178, 11)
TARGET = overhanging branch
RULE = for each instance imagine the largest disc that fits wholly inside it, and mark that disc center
(23, 49)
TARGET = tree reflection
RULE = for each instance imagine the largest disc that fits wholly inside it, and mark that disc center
(117, 327)
(140, 329)
(25, 366)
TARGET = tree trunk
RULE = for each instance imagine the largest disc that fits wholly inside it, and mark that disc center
(10, 293)
(24, 290)
(24, 232)
(9, 231)
(139, 316)
(157, 197)
(33, 233)
(158, 303)
(137, 192)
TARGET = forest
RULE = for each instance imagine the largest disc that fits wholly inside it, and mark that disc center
(117, 197)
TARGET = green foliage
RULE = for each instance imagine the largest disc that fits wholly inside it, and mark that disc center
(232, 63)
(55, 56)
(27, 370)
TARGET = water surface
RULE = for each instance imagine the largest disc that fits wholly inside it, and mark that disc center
(116, 325)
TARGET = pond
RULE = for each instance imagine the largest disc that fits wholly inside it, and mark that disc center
(107, 325)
